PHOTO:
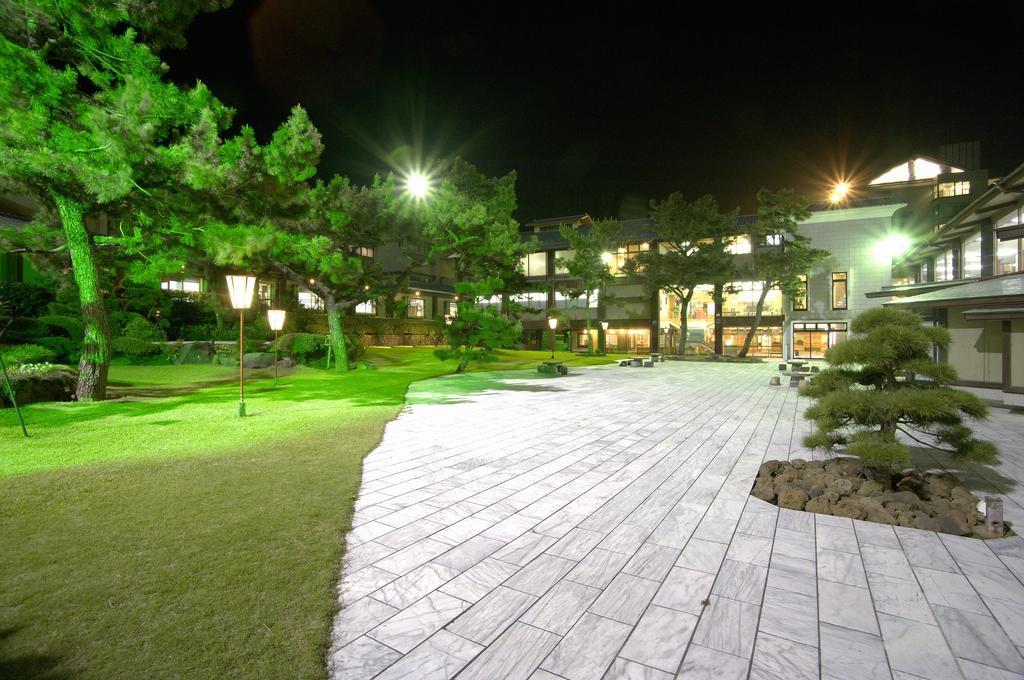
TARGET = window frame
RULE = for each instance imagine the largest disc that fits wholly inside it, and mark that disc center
(416, 303)
(844, 278)
(793, 303)
(372, 307)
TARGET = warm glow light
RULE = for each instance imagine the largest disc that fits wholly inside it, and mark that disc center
(553, 322)
(240, 290)
(275, 317)
(604, 325)
(891, 247)
(606, 257)
(417, 185)
(839, 192)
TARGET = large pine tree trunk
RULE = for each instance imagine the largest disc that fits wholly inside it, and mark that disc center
(757, 321)
(95, 360)
(684, 309)
(336, 333)
(719, 298)
(590, 336)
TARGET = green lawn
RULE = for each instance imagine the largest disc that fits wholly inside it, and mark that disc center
(161, 536)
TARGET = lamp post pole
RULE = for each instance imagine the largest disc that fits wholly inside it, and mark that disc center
(553, 323)
(240, 289)
(275, 317)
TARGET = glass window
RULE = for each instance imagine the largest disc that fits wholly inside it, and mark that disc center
(625, 253)
(564, 302)
(564, 255)
(773, 240)
(923, 272)
(265, 291)
(740, 299)
(416, 308)
(839, 290)
(535, 264)
(451, 308)
(800, 299)
(368, 307)
(739, 245)
(190, 285)
(1008, 256)
(310, 300)
(1011, 218)
(810, 340)
(972, 257)
(961, 188)
(944, 266)
(364, 251)
(532, 299)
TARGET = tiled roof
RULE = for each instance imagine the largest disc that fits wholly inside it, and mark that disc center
(983, 289)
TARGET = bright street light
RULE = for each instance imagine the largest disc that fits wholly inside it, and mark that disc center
(606, 257)
(553, 323)
(891, 248)
(417, 185)
(839, 192)
(240, 290)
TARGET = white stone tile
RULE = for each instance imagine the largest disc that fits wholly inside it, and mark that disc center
(847, 606)
(624, 669)
(357, 618)
(598, 568)
(704, 663)
(561, 607)
(847, 654)
(917, 648)
(777, 658)
(741, 581)
(540, 574)
(660, 638)
(979, 638)
(488, 618)
(413, 625)
(360, 659)
(625, 598)
(513, 656)
(588, 649)
(728, 626)
(790, 615)
(652, 561)
(439, 657)
(685, 590)
(405, 590)
(842, 567)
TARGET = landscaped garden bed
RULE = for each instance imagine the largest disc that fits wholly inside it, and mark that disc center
(843, 487)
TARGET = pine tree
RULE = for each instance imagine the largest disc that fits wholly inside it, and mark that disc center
(883, 381)
(693, 238)
(469, 222)
(781, 264)
(588, 268)
(91, 129)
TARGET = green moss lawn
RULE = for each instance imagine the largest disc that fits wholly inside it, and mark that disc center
(159, 535)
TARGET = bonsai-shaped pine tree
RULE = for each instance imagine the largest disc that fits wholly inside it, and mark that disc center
(883, 381)
(469, 222)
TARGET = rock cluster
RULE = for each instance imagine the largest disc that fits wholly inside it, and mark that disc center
(934, 502)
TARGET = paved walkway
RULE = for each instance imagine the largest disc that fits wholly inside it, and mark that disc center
(599, 526)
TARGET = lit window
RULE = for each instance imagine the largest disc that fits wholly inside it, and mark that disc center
(739, 245)
(265, 291)
(944, 267)
(535, 264)
(773, 240)
(1010, 219)
(189, 285)
(416, 308)
(532, 300)
(1009, 256)
(368, 307)
(972, 257)
(563, 301)
(800, 299)
(310, 300)
(563, 255)
(839, 290)
(946, 189)
(451, 308)
(364, 251)
(625, 253)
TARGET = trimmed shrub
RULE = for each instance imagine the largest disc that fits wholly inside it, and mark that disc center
(18, 355)
(141, 329)
(23, 299)
(134, 348)
(65, 349)
(71, 326)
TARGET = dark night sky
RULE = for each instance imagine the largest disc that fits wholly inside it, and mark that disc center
(601, 106)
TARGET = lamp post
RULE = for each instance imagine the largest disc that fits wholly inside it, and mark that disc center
(240, 290)
(603, 345)
(275, 317)
(553, 323)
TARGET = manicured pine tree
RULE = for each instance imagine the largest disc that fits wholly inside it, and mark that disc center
(882, 382)
(781, 264)
(90, 128)
(693, 239)
(469, 222)
(588, 268)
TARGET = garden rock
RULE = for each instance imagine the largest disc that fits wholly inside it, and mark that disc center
(258, 359)
(792, 498)
(842, 487)
(820, 505)
(195, 352)
(54, 385)
(870, 488)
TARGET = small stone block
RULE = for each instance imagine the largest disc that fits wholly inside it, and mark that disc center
(775, 381)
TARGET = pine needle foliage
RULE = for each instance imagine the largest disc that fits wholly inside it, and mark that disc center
(883, 381)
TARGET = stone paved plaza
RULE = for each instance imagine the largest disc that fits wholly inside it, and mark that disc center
(599, 526)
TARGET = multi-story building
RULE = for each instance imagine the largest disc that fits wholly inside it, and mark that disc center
(969, 277)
